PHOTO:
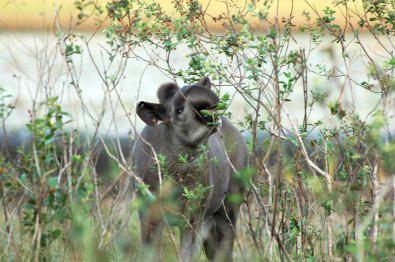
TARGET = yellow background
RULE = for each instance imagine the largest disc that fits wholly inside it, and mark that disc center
(39, 14)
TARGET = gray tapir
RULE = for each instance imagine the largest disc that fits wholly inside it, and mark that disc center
(178, 130)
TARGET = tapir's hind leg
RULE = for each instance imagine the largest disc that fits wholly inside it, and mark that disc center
(218, 244)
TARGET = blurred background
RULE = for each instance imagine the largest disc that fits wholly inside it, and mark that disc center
(31, 64)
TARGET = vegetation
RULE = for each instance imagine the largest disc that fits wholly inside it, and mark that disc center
(319, 189)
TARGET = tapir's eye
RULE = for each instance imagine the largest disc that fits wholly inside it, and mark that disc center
(179, 110)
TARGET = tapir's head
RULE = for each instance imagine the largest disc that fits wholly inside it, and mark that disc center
(180, 109)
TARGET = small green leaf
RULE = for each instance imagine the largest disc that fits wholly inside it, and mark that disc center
(52, 182)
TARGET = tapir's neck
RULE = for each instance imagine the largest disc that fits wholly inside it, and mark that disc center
(174, 144)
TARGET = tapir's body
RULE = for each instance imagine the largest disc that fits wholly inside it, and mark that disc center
(225, 154)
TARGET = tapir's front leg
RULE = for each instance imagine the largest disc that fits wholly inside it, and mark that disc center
(151, 236)
(151, 230)
(151, 218)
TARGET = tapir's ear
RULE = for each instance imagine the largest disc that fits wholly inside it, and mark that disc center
(166, 91)
(205, 81)
(152, 114)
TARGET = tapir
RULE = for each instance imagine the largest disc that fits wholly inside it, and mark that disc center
(178, 131)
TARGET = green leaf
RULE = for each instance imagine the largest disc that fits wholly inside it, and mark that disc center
(52, 182)
(55, 234)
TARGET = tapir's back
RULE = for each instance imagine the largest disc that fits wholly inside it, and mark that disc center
(231, 160)
(235, 145)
